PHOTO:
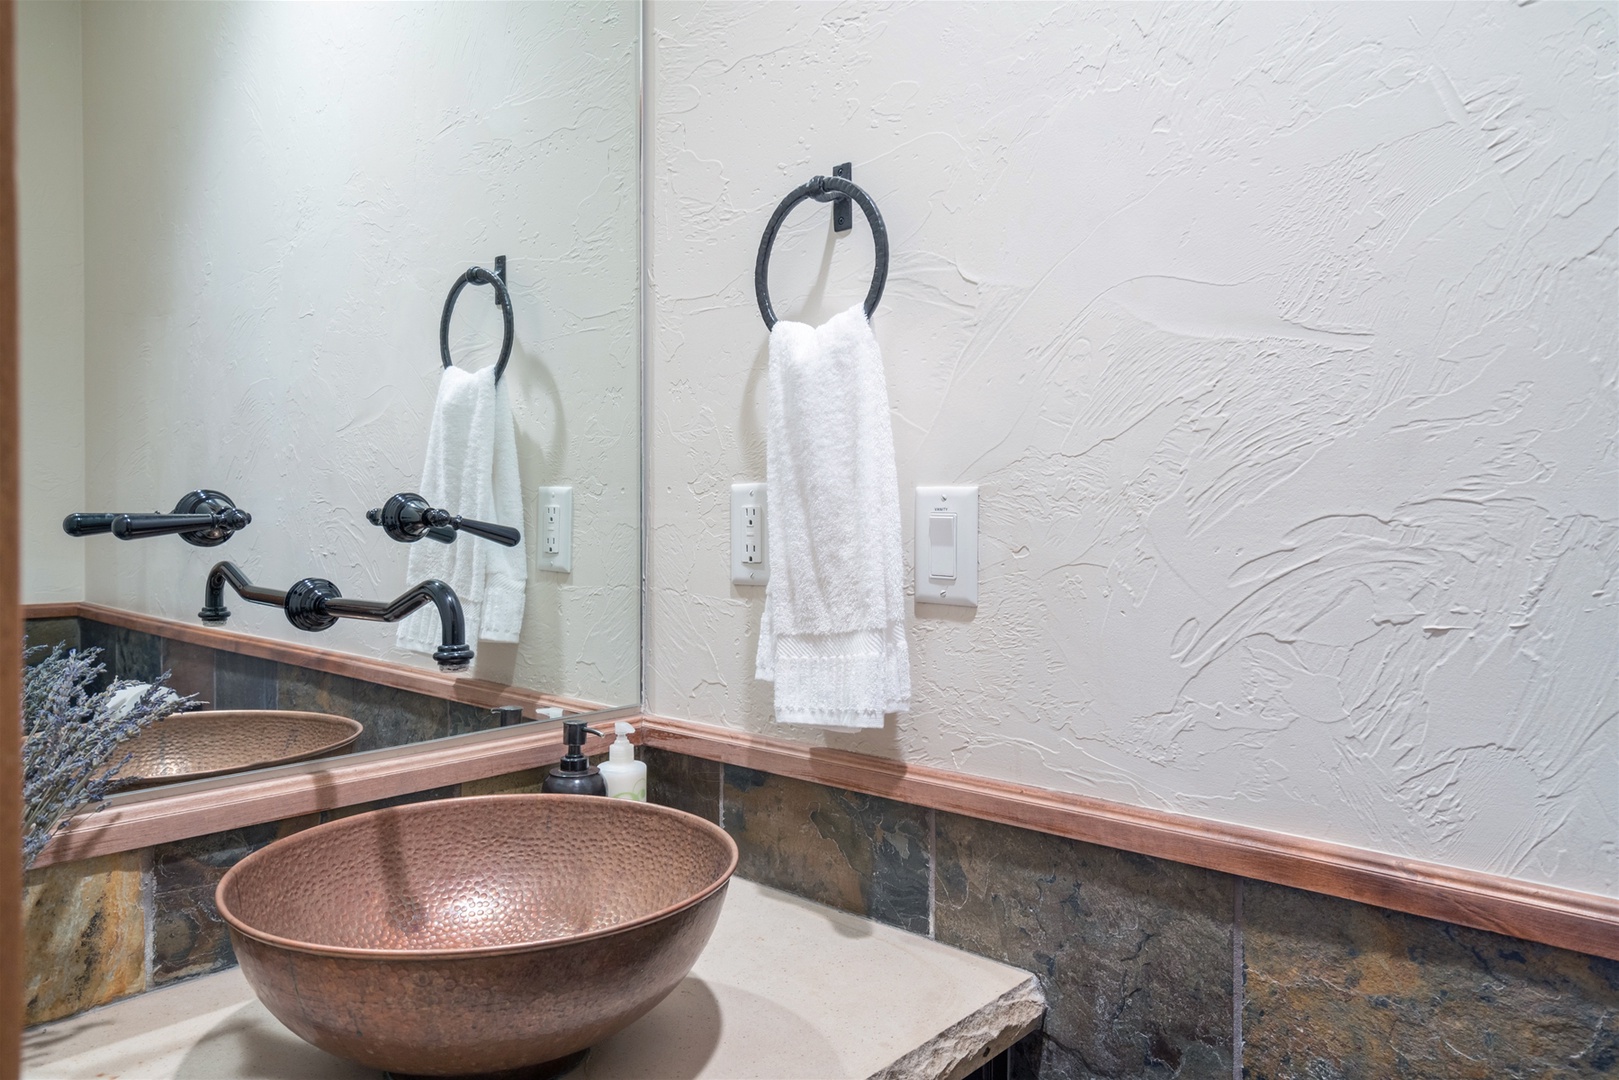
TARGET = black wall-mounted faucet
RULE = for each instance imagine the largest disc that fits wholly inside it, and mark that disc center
(406, 517)
(315, 604)
(202, 517)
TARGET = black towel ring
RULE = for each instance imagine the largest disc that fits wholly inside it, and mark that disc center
(831, 189)
(477, 275)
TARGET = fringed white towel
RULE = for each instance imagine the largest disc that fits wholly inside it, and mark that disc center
(471, 470)
(833, 633)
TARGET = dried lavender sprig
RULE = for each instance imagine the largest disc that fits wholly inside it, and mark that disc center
(71, 734)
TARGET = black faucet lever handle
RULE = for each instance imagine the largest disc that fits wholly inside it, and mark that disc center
(500, 534)
(204, 518)
(87, 524)
(407, 517)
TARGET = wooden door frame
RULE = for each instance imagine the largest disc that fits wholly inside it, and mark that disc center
(11, 967)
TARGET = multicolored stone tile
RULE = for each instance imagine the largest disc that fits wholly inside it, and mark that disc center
(463, 718)
(1134, 953)
(84, 934)
(94, 635)
(1337, 990)
(685, 783)
(191, 670)
(48, 632)
(519, 783)
(861, 853)
(136, 655)
(391, 717)
(245, 682)
(188, 936)
(127, 654)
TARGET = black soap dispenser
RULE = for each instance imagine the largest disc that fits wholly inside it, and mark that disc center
(574, 774)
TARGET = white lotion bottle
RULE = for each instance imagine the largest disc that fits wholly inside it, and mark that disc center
(626, 777)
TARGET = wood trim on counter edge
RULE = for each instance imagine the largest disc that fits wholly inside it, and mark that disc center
(159, 816)
(1584, 922)
(436, 684)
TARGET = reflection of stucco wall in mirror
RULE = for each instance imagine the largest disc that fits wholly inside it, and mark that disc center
(276, 199)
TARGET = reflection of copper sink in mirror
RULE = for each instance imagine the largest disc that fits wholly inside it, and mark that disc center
(477, 935)
(189, 746)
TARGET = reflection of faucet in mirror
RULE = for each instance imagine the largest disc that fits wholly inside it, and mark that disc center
(315, 604)
(202, 517)
(406, 517)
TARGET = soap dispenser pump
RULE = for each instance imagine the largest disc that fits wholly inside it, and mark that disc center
(574, 774)
(625, 777)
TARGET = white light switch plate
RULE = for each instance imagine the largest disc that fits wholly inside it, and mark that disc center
(947, 546)
(750, 559)
(554, 546)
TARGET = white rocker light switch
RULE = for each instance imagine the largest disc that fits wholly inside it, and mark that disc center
(947, 546)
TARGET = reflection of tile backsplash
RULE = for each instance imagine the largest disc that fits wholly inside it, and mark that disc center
(225, 680)
(1156, 969)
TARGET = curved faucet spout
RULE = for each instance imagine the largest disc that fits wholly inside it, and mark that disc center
(315, 604)
(453, 653)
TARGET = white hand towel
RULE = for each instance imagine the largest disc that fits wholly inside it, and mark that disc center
(471, 470)
(833, 633)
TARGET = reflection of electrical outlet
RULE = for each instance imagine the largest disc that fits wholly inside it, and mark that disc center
(749, 562)
(556, 530)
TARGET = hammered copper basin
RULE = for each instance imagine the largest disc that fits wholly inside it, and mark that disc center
(190, 746)
(476, 935)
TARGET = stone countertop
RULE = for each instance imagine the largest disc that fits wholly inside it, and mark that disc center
(786, 988)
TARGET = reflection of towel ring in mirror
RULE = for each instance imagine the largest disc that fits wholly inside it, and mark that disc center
(479, 276)
(832, 189)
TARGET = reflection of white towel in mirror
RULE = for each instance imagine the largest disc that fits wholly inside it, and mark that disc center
(471, 470)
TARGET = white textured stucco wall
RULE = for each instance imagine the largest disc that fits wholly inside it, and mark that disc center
(50, 217)
(278, 198)
(1281, 341)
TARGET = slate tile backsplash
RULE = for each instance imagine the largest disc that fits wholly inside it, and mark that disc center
(685, 783)
(245, 682)
(188, 936)
(191, 671)
(1134, 953)
(861, 853)
(1341, 991)
(48, 632)
(391, 717)
(84, 934)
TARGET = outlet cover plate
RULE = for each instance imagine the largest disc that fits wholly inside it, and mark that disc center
(947, 543)
(743, 498)
(559, 561)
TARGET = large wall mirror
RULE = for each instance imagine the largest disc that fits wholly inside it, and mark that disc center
(239, 225)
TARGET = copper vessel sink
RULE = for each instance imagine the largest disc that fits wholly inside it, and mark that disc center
(476, 935)
(190, 746)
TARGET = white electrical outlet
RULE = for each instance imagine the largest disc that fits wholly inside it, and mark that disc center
(555, 549)
(947, 546)
(750, 561)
